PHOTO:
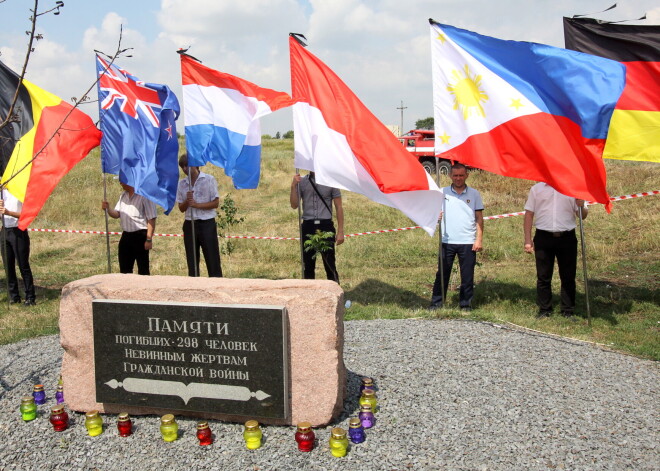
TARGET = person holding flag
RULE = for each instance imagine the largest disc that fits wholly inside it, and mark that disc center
(317, 216)
(137, 217)
(17, 249)
(197, 196)
(462, 235)
(553, 214)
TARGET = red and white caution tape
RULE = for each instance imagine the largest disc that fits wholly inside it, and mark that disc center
(499, 216)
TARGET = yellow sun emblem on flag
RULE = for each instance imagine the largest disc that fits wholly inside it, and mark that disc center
(467, 92)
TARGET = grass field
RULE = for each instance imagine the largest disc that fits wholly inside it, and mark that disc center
(386, 275)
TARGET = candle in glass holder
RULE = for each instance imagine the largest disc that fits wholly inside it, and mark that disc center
(169, 429)
(356, 431)
(28, 408)
(59, 394)
(93, 423)
(124, 425)
(39, 394)
(305, 436)
(367, 383)
(338, 442)
(59, 418)
(204, 434)
(369, 397)
(252, 435)
(366, 416)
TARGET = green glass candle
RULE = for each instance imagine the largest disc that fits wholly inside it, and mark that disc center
(338, 442)
(369, 397)
(169, 429)
(93, 423)
(252, 435)
(28, 408)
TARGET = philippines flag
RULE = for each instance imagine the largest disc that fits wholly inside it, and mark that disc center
(338, 138)
(139, 142)
(524, 110)
(222, 120)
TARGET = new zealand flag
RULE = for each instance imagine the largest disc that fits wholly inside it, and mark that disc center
(139, 142)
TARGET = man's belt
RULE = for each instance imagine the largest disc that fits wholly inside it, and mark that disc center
(557, 233)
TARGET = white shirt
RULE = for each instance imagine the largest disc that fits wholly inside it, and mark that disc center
(134, 212)
(12, 204)
(553, 211)
(204, 190)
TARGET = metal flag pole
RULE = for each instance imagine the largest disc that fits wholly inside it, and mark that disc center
(107, 227)
(584, 266)
(300, 230)
(192, 228)
(440, 260)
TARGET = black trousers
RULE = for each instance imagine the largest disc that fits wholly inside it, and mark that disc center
(18, 250)
(206, 237)
(547, 248)
(309, 262)
(131, 250)
(467, 259)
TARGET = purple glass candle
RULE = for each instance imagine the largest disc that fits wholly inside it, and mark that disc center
(367, 383)
(356, 431)
(39, 394)
(366, 416)
(59, 394)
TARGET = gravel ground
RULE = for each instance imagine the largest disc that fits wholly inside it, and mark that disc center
(454, 395)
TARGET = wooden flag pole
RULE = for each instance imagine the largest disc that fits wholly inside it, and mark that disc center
(584, 266)
(107, 227)
(300, 230)
(192, 227)
(440, 260)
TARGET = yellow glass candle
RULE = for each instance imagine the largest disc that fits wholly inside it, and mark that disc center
(169, 429)
(369, 397)
(93, 423)
(252, 435)
(338, 442)
(28, 408)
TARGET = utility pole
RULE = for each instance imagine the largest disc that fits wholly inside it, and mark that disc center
(401, 108)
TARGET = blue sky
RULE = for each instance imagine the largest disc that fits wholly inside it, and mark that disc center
(378, 47)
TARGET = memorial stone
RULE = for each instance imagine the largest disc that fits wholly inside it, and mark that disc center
(310, 310)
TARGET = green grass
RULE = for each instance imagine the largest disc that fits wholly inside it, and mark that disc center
(386, 275)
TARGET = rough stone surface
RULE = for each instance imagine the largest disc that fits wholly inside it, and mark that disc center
(315, 311)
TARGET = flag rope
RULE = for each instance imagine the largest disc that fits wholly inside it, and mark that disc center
(382, 231)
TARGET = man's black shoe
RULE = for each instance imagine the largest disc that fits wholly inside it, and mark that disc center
(543, 314)
(434, 307)
(15, 301)
(30, 302)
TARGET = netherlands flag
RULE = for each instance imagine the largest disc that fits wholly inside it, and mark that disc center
(338, 138)
(524, 110)
(222, 120)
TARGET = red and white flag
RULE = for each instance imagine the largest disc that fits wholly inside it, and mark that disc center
(338, 138)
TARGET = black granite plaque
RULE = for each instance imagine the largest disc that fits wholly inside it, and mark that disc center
(228, 359)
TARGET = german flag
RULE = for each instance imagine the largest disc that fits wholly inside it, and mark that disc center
(41, 144)
(634, 132)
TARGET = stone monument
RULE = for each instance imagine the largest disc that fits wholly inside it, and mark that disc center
(228, 349)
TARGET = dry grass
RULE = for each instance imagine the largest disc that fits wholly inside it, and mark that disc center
(387, 275)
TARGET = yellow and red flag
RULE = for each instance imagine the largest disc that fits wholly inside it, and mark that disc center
(42, 144)
(634, 132)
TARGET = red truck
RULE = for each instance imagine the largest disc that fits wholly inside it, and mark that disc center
(421, 142)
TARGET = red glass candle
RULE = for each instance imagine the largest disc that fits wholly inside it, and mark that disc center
(305, 436)
(124, 425)
(59, 418)
(204, 434)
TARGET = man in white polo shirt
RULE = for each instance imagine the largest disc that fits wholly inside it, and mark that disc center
(199, 202)
(137, 218)
(462, 234)
(553, 214)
